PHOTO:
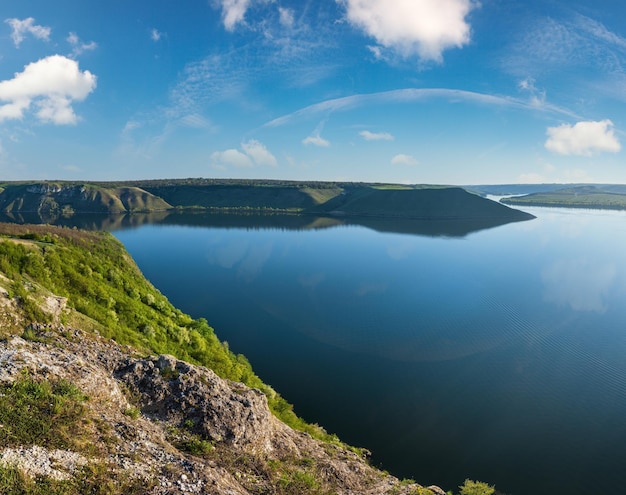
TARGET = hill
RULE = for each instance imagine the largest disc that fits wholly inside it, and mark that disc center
(54, 200)
(588, 196)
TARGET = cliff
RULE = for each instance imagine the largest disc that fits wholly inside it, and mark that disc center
(81, 411)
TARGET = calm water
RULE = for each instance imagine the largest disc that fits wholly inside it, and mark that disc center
(498, 355)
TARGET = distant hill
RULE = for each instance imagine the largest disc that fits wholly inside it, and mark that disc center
(57, 199)
(51, 199)
(517, 189)
(612, 197)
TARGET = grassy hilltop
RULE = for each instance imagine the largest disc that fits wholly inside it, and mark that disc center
(363, 203)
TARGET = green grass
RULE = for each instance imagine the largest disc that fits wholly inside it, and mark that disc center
(93, 479)
(102, 283)
(41, 412)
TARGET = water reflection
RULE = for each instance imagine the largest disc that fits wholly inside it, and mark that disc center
(581, 284)
(202, 218)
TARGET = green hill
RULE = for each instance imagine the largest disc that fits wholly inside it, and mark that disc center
(451, 203)
(587, 196)
(51, 200)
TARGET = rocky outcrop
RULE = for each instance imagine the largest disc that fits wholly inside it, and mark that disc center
(145, 412)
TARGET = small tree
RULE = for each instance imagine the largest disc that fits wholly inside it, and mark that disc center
(476, 488)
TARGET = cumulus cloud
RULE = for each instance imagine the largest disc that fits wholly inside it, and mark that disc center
(376, 136)
(27, 26)
(583, 138)
(233, 12)
(78, 47)
(316, 140)
(254, 154)
(52, 84)
(259, 153)
(402, 159)
(155, 35)
(413, 27)
(232, 157)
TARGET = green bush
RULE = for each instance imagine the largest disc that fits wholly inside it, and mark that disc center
(476, 488)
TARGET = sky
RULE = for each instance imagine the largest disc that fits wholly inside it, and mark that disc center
(399, 91)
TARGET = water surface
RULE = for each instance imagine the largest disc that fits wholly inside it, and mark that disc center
(495, 355)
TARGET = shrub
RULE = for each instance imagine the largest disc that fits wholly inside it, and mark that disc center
(476, 488)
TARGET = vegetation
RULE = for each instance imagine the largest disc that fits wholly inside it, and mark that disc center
(35, 412)
(53, 201)
(52, 413)
(100, 281)
(476, 488)
(597, 197)
(94, 479)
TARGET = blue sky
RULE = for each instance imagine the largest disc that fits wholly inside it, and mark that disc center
(411, 91)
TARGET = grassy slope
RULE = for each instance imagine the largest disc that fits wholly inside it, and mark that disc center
(577, 197)
(354, 199)
(87, 198)
(111, 296)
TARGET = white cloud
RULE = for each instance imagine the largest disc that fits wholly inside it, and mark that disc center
(259, 153)
(413, 27)
(53, 84)
(155, 35)
(583, 138)
(254, 154)
(27, 26)
(78, 47)
(233, 12)
(402, 159)
(316, 140)
(286, 17)
(233, 158)
(376, 136)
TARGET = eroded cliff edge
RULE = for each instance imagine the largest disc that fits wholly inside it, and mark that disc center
(164, 426)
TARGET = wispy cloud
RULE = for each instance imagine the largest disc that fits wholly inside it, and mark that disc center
(376, 136)
(548, 45)
(233, 12)
(425, 28)
(27, 26)
(79, 47)
(155, 35)
(412, 95)
(286, 17)
(52, 84)
(402, 159)
(583, 138)
(316, 140)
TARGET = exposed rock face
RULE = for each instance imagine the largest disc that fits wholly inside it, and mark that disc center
(252, 452)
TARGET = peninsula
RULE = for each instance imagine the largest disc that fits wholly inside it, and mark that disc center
(422, 202)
